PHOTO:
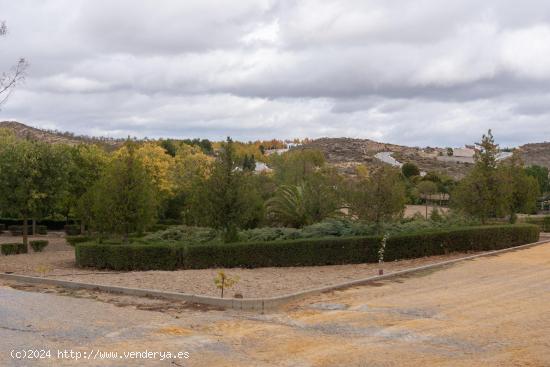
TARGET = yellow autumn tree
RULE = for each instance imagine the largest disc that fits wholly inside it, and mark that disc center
(190, 164)
(158, 165)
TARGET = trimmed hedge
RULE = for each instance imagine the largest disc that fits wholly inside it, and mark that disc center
(13, 248)
(302, 252)
(38, 245)
(129, 257)
(542, 222)
(73, 240)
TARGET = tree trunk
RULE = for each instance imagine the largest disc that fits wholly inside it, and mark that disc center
(426, 208)
(34, 227)
(82, 227)
(25, 232)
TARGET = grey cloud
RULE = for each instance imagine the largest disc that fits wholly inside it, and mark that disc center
(421, 73)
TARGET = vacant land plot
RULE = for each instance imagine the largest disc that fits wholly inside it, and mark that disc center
(491, 311)
(261, 282)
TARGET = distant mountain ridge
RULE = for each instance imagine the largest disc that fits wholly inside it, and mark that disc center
(346, 153)
(51, 136)
(343, 153)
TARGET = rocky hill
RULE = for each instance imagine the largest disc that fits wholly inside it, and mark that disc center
(536, 153)
(51, 136)
(346, 153)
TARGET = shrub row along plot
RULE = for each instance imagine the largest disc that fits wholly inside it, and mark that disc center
(303, 252)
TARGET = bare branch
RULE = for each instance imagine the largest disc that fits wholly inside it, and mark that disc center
(16, 75)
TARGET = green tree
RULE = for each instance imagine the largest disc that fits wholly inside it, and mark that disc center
(31, 178)
(83, 166)
(525, 188)
(410, 169)
(380, 197)
(169, 146)
(486, 191)
(228, 200)
(294, 167)
(542, 175)
(123, 199)
(192, 168)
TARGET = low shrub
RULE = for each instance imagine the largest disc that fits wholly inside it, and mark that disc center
(13, 248)
(129, 257)
(184, 234)
(542, 222)
(72, 229)
(73, 240)
(302, 252)
(38, 245)
(332, 227)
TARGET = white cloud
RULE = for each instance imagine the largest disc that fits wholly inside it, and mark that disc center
(424, 72)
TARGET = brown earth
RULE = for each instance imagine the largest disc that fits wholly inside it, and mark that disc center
(536, 153)
(486, 312)
(58, 262)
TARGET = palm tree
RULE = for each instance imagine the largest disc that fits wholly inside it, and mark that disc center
(289, 206)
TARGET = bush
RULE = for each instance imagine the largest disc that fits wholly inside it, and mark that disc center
(13, 248)
(302, 252)
(38, 245)
(73, 240)
(184, 234)
(129, 257)
(72, 229)
(40, 229)
(2, 227)
(542, 222)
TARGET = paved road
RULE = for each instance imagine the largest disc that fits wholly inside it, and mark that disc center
(491, 311)
(387, 157)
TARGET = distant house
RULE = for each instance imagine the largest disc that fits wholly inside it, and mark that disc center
(466, 152)
(276, 151)
(282, 150)
(262, 168)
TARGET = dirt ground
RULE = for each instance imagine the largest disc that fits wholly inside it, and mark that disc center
(56, 240)
(491, 311)
(58, 262)
(411, 210)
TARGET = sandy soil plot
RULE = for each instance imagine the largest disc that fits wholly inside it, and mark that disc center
(263, 282)
(488, 312)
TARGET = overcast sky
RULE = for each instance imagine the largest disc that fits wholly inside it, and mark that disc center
(424, 72)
